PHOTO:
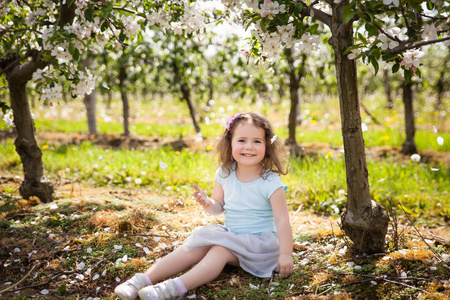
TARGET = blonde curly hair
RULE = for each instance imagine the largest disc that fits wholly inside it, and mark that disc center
(274, 148)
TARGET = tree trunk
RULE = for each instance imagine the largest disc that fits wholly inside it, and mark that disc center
(17, 76)
(409, 146)
(294, 86)
(388, 89)
(109, 96)
(124, 96)
(35, 183)
(187, 96)
(210, 83)
(364, 221)
(440, 91)
(90, 103)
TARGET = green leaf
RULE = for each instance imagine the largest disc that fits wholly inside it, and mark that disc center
(362, 38)
(371, 29)
(375, 64)
(122, 36)
(313, 28)
(88, 15)
(76, 55)
(419, 73)
(298, 7)
(389, 57)
(349, 49)
(371, 16)
(104, 26)
(348, 13)
(395, 68)
(72, 49)
(300, 27)
(407, 75)
(4, 107)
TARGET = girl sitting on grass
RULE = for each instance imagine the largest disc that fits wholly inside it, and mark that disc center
(257, 234)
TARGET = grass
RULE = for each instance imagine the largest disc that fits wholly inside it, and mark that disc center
(313, 181)
(321, 121)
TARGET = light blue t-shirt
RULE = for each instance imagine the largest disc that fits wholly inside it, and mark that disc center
(246, 204)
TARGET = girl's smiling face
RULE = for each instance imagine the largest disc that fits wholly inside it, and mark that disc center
(248, 144)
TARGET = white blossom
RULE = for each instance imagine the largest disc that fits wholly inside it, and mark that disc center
(8, 118)
(386, 43)
(394, 2)
(354, 53)
(429, 32)
(411, 58)
(415, 157)
(271, 8)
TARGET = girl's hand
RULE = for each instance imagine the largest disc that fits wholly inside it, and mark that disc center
(285, 265)
(201, 197)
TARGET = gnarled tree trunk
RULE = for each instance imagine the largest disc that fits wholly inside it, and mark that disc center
(35, 183)
(19, 70)
(364, 221)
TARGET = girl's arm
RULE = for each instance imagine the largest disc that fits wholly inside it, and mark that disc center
(281, 217)
(213, 205)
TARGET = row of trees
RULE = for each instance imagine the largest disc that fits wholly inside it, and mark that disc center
(54, 37)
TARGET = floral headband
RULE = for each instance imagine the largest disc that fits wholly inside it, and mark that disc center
(231, 119)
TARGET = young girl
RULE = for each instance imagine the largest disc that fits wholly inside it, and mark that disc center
(257, 234)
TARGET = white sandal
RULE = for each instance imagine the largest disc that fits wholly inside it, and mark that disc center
(166, 290)
(129, 289)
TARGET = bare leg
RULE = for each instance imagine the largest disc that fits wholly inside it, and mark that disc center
(209, 267)
(175, 262)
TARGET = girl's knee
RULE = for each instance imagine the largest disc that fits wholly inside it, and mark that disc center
(225, 253)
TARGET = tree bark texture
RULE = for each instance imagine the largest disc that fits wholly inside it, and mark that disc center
(364, 221)
(409, 146)
(35, 183)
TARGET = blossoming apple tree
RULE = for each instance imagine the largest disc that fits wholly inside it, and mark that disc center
(388, 30)
(43, 40)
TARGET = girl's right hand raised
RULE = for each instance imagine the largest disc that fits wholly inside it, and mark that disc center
(201, 197)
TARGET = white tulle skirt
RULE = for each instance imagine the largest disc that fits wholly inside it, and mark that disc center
(257, 254)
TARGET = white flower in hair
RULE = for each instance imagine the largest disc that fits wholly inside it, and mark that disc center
(274, 138)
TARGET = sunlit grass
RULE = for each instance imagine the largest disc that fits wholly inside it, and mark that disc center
(314, 182)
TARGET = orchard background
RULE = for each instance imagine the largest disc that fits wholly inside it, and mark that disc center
(95, 190)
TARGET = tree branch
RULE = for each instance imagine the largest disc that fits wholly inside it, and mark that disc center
(403, 47)
(10, 64)
(318, 14)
